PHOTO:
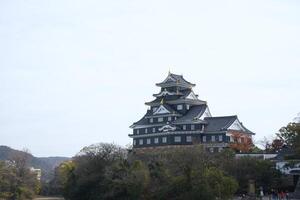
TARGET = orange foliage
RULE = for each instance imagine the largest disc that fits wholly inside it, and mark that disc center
(241, 142)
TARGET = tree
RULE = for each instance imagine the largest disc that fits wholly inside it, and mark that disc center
(26, 182)
(7, 179)
(104, 171)
(17, 182)
(128, 180)
(290, 136)
(84, 176)
(247, 168)
(221, 185)
(242, 143)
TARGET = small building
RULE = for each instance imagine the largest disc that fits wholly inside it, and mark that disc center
(178, 117)
(37, 172)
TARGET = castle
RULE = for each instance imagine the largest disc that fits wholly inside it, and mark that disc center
(178, 117)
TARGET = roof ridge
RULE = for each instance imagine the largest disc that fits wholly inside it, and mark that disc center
(230, 123)
(223, 116)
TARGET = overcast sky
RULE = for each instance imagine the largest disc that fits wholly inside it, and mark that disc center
(74, 73)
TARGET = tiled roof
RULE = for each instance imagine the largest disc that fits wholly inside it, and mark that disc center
(222, 123)
(190, 116)
(175, 79)
(219, 123)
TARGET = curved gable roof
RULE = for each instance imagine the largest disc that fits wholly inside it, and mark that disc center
(174, 79)
(193, 115)
(219, 123)
(224, 123)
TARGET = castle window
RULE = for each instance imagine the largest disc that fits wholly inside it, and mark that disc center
(187, 107)
(164, 139)
(146, 130)
(148, 141)
(177, 139)
(189, 138)
(151, 120)
(204, 139)
(169, 119)
(213, 138)
(153, 130)
(179, 107)
(134, 142)
(184, 127)
(141, 141)
(137, 131)
(220, 138)
(156, 140)
(160, 119)
(192, 127)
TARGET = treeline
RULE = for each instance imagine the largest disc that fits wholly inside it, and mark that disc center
(17, 182)
(287, 139)
(107, 171)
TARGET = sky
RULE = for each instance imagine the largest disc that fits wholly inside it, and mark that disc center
(75, 73)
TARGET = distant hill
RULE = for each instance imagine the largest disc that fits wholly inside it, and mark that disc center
(46, 164)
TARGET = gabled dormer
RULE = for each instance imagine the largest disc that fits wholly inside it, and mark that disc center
(162, 110)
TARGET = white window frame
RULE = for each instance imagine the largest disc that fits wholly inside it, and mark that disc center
(169, 118)
(164, 140)
(151, 120)
(160, 119)
(192, 127)
(153, 130)
(220, 138)
(179, 107)
(204, 138)
(137, 131)
(213, 138)
(156, 141)
(177, 139)
(202, 128)
(146, 130)
(148, 141)
(141, 141)
(187, 106)
(189, 138)
(183, 127)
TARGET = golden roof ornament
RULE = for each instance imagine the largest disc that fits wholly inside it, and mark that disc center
(162, 101)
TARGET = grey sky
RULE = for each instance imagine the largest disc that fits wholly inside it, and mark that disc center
(73, 73)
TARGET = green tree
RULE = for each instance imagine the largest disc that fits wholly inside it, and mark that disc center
(17, 182)
(84, 177)
(26, 183)
(128, 181)
(290, 135)
(247, 168)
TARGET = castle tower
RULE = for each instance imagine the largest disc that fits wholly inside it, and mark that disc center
(178, 117)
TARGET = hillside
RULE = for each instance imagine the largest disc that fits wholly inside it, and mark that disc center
(46, 164)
